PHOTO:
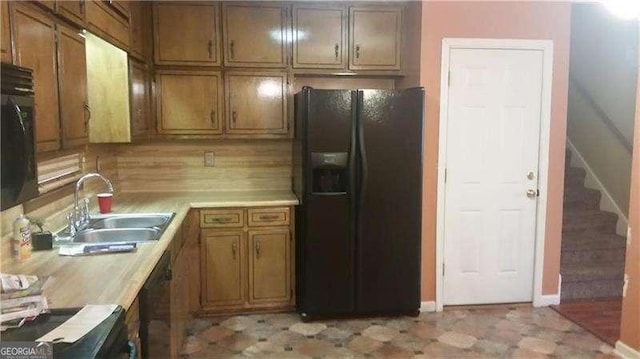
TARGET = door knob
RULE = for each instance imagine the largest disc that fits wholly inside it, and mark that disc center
(532, 193)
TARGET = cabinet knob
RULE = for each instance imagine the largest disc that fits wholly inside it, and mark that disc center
(210, 49)
(257, 249)
(234, 249)
(234, 117)
(231, 49)
(357, 51)
(336, 49)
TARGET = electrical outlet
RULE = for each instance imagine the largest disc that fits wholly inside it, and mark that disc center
(209, 159)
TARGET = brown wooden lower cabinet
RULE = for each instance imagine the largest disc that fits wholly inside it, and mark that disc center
(246, 268)
(132, 321)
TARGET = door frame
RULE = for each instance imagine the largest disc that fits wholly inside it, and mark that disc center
(546, 46)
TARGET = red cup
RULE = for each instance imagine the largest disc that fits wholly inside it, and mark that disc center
(104, 202)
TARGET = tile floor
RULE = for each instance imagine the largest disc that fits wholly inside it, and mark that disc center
(493, 332)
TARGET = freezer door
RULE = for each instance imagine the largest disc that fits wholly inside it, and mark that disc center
(389, 203)
(325, 220)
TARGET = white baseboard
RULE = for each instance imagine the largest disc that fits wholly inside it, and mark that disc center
(592, 181)
(547, 300)
(427, 307)
(626, 351)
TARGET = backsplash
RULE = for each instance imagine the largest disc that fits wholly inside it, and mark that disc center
(239, 165)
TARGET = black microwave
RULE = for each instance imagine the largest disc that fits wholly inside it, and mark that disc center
(19, 176)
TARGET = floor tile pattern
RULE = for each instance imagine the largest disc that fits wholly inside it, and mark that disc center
(492, 332)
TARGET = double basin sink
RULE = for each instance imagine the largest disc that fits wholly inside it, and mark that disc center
(121, 228)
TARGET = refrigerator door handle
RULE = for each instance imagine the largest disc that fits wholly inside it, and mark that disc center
(363, 177)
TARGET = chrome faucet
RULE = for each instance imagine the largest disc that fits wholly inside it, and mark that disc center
(80, 216)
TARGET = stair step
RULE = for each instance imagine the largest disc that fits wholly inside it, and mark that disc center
(591, 220)
(592, 241)
(587, 271)
(574, 176)
(590, 255)
(591, 289)
(581, 197)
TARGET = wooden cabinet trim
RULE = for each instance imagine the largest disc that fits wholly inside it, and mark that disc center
(229, 41)
(238, 253)
(215, 115)
(342, 42)
(231, 128)
(214, 44)
(268, 216)
(68, 100)
(354, 62)
(66, 9)
(223, 218)
(108, 23)
(52, 142)
(256, 253)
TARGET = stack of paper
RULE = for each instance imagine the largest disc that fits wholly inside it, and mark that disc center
(22, 299)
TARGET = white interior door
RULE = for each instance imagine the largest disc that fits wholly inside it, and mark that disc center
(492, 146)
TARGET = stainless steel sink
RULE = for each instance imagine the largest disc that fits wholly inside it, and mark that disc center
(151, 220)
(120, 235)
(120, 228)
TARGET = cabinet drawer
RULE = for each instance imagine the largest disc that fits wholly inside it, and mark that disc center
(222, 218)
(260, 217)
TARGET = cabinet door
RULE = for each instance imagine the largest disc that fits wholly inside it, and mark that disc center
(254, 35)
(141, 30)
(35, 41)
(179, 304)
(266, 92)
(72, 83)
(319, 37)
(195, 41)
(189, 102)
(375, 36)
(72, 10)
(140, 99)
(269, 262)
(5, 40)
(223, 268)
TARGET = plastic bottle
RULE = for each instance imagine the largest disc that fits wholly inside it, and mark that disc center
(22, 246)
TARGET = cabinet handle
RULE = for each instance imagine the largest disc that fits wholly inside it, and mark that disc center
(87, 117)
(357, 51)
(231, 50)
(222, 220)
(234, 117)
(213, 119)
(234, 248)
(210, 49)
(336, 49)
(139, 115)
(258, 249)
(271, 217)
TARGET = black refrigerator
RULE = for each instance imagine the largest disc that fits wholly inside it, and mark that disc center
(357, 159)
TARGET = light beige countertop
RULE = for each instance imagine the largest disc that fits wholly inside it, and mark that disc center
(117, 278)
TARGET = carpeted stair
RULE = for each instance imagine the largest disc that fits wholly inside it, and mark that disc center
(592, 261)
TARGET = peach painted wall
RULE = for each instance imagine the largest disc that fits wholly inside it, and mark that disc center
(630, 326)
(513, 20)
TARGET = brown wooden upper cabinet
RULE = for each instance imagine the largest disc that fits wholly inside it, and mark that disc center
(72, 10)
(109, 20)
(34, 36)
(319, 36)
(256, 104)
(141, 31)
(5, 41)
(140, 95)
(255, 35)
(189, 102)
(375, 36)
(187, 34)
(72, 84)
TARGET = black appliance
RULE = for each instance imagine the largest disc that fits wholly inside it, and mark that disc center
(155, 311)
(108, 340)
(19, 173)
(358, 173)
